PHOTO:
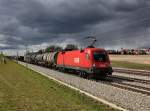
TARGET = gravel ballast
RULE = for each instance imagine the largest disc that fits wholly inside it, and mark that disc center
(127, 99)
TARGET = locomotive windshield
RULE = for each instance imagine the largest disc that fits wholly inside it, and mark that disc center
(100, 56)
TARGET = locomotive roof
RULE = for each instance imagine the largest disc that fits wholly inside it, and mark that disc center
(86, 49)
(94, 49)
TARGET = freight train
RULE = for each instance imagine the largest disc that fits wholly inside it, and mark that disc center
(88, 62)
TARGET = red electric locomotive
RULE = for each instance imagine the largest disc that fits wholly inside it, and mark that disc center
(90, 62)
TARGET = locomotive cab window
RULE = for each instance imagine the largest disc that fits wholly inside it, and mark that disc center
(100, 56)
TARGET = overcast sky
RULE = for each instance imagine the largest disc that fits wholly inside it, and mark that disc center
(39, 23)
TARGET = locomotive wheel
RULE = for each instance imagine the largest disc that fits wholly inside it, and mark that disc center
(89, 76)
(80, 73)
(83, 74)
(102, 77)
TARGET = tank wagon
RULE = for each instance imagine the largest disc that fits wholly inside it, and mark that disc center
(33, 59)
(50, 59)
(27, 57)
(88, 63)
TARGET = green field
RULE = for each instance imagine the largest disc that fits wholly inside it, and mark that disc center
(131, 65)
(24, 90)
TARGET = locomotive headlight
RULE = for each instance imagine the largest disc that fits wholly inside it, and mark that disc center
(94, 65)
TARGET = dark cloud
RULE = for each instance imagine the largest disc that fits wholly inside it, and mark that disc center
(113, 22)
(65, 17)
(127, 5)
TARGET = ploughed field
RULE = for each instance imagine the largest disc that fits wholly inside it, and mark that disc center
(24, 90)
(141, 62)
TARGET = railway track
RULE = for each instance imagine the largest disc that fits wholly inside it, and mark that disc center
(133, 88)
(132, 71)
(119, 82)
(130, 79)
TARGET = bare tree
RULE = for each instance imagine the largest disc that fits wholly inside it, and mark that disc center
(70, 47)
(53, 48)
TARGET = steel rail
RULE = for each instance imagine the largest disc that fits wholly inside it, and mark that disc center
(132, 71)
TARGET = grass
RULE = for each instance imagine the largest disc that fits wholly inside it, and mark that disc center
(131, 65)
(24, 90)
